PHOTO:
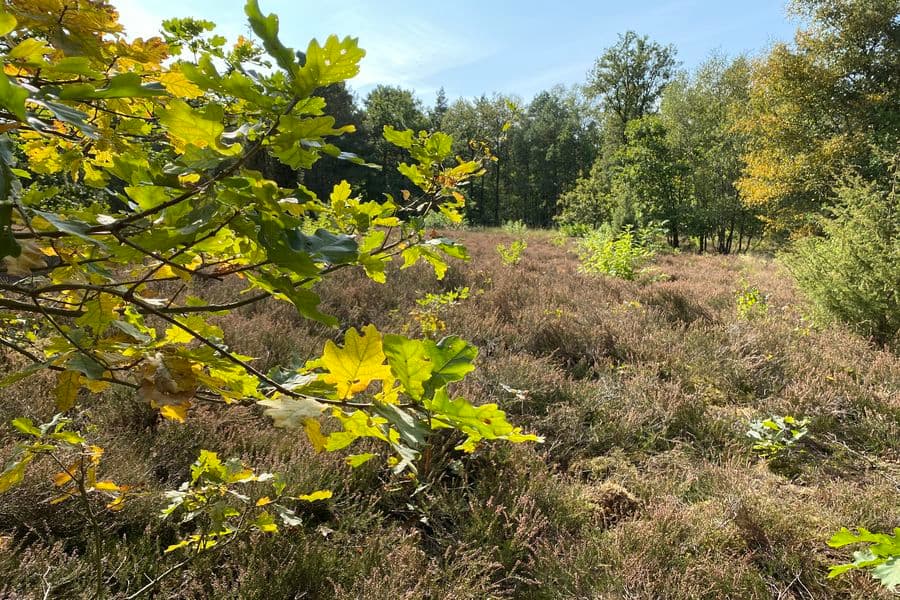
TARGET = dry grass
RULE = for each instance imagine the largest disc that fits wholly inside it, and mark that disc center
(645, 488)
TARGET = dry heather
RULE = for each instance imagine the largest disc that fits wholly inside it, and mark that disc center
(646, 486)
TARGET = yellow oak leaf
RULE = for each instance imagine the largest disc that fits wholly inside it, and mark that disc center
(169, 383)
(64, 477)
(317, 495)
(95, 385)
(107, 486)
(175, 412)
(313, 431)
(360, 362)
(100, 313)
(67, 385)
(117, 504)
(178, 85)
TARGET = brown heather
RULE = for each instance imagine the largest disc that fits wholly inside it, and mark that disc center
(645, 488)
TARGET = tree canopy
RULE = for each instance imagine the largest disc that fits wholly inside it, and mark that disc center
(629, 77)
(113, 288)
(823, 107)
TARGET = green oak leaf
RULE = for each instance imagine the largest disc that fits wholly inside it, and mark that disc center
(452, 359)
(14, 472)
(409, 362)
(7, 22)
(30, 50)
(485, 422)
(335, 248)
(26, 426)
(266, 28)
(86, 365)
(336, 61)
(413, 431)
(77, 228)
(285, 249)
(12, 97)
(198, 127)
(123, 85)
(304, 300)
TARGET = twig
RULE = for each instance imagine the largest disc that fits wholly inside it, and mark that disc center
(47, 583)
(153, 583)
(91, 517)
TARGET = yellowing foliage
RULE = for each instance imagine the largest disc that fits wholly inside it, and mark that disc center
(122, 172)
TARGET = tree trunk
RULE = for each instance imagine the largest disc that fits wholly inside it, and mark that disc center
(497, 193)
(730, 236)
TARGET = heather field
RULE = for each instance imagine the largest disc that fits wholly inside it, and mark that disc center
(646, 486)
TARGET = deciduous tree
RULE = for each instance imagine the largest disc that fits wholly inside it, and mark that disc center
(827, 104)
(628, 80)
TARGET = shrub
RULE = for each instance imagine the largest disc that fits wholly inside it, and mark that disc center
(751, 302)
(511, 255)
(776, 436)
(619, 255)
(852, 272)
(575, 229)
(653, 236)
(438, 220)
(516, 228)
(559, 238)
(431, 308)
(588, 204)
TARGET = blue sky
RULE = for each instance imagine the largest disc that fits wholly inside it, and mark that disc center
(472, 47)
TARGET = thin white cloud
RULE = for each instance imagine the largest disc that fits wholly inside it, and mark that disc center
(409, 51)
(419, 51)
(405, 50)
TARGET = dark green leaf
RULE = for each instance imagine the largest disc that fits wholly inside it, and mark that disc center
(8, 244)
(86, 365)
(12, 97)
(334, 248)
(452, 358)
(77, 228)
(412, 430)
(69, 115)
(306, 301)
(124, 85)
(274, 238)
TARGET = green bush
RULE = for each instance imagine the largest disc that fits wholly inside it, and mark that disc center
(751, 302)
(512, 254)
(588, 203)
(516, 228)
(852, 272)
(577, 230)
(438, 220)
(618, 255)
(776, 436)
